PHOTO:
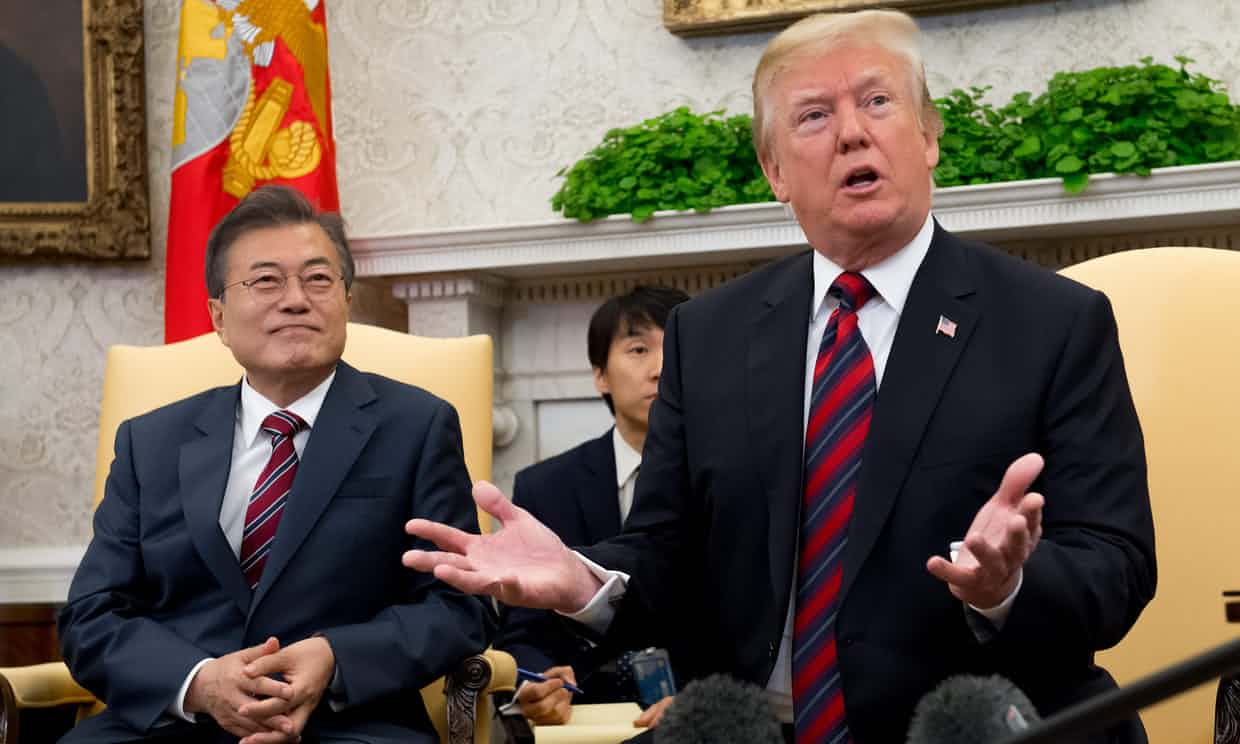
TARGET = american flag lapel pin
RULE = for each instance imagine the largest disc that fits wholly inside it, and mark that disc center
(946, 326)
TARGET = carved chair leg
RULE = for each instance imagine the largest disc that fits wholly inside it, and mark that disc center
(8, 713)
(1227, 703)
(463, 688)
(1227, 711)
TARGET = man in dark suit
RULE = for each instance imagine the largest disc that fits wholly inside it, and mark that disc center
(584, 495)
(898, 457)
(243, 578)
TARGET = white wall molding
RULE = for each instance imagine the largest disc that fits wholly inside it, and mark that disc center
(1171, 197)
(1020, 210)
(563, 246)
(598, 287)
(37, 575)
(449, 306)
(478, 288)
(549, 384)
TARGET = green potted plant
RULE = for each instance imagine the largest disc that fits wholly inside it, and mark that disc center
(679, 160)
(1105, 120)
(1109, 119)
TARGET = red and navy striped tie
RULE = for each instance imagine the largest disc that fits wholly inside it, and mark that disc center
(270, 493)
(839, 419)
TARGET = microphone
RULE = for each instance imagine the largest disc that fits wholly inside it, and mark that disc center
(1116, 705)
(718, 710)
(968, 709)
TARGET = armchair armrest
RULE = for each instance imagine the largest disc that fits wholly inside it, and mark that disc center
(39, 686)
(460, 704)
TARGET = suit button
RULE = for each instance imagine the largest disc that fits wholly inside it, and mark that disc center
(847, 641)
(770, 650)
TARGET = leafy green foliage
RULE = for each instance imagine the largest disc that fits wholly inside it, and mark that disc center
(679, 160)
(1108, 119)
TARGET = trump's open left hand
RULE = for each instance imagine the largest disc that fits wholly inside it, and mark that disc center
(1002, 537)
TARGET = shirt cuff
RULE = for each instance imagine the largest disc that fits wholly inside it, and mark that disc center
(998, 614)
(177, 708)
(601, 609)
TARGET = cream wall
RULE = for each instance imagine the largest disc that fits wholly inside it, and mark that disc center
(458, 113)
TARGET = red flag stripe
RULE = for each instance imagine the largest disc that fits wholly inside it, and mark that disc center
(199, 200)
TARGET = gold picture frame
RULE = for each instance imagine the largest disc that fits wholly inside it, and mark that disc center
(113, 222)
(703, 17)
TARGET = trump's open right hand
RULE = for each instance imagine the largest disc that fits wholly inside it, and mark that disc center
(523, 564)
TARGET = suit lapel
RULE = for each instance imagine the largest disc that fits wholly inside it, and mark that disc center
(597, 494)
(918, 368)
(340, 432)
(203, 472)
(775, 399)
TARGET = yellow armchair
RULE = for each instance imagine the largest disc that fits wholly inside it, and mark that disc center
(139, 379)
(1177, 310)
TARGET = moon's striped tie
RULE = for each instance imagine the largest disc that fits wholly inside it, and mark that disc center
(270, 493)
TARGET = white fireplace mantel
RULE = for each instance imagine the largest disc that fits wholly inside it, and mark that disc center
(1171, 198)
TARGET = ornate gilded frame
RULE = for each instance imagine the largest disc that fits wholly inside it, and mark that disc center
(702, 17)
(114, 221)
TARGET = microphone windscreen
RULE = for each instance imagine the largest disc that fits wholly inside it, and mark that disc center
(971, 710)
(719, 709)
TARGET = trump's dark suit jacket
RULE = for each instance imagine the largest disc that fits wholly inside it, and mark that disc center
(160, 589)
(1034, 365)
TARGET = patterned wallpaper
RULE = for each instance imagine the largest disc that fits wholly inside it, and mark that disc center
(458, 113)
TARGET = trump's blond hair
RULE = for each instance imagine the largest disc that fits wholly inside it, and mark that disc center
(823, 33)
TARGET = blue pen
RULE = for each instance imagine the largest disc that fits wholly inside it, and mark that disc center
(536, 677)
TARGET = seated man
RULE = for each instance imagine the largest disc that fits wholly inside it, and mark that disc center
(584, 496)
(244, 575)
